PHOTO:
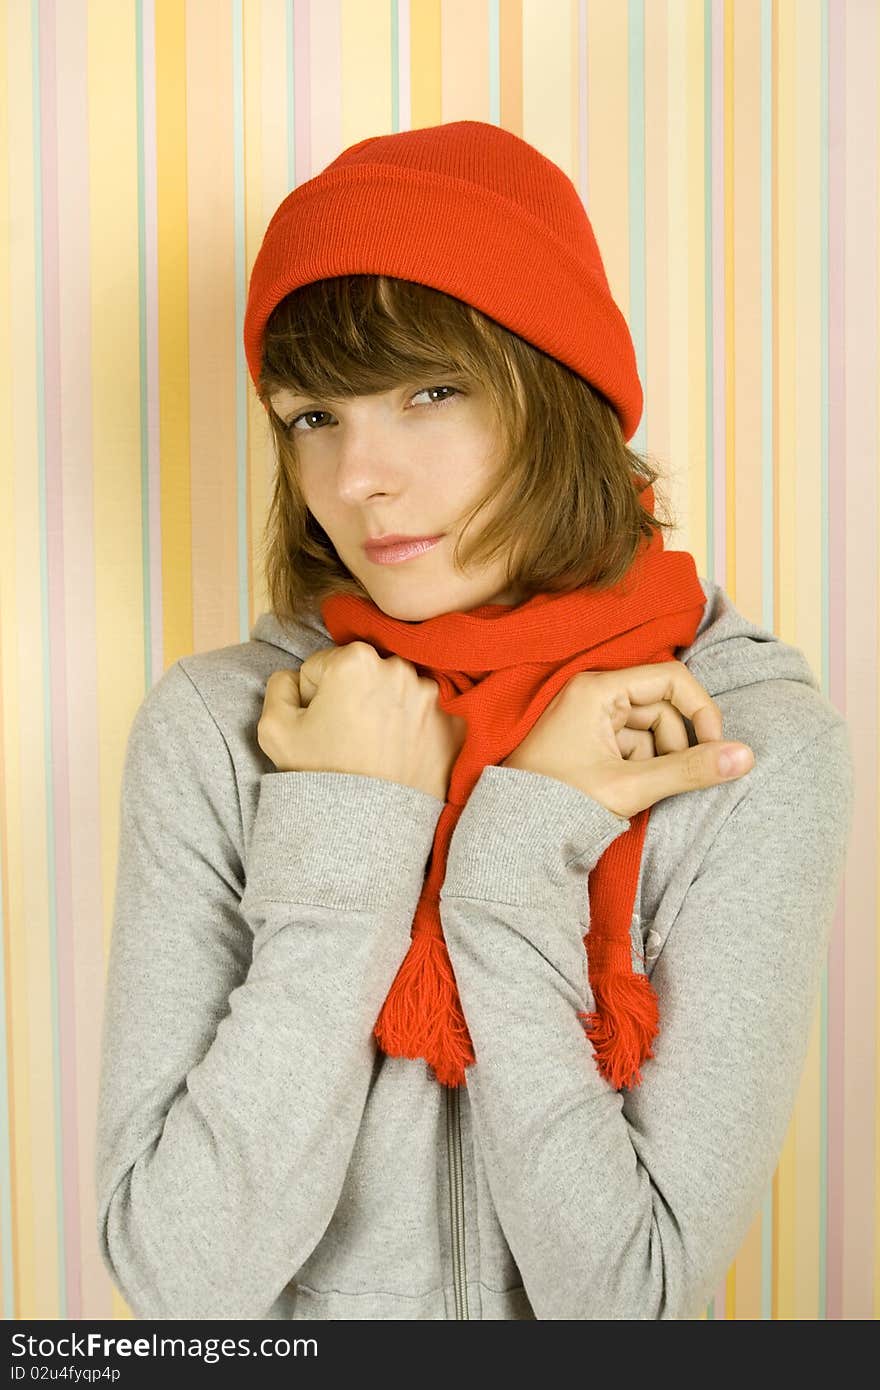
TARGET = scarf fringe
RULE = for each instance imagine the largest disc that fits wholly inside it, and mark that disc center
(622, 1027)
(422, 1015)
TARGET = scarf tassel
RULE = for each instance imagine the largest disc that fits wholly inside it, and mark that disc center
(623, 1026)
(422, 1015)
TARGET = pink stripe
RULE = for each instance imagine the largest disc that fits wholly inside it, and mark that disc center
(837, 622)
(859, 1179)
(716, 135)
(327, 97)
(64, 962)
(302, 95)
(76, 445)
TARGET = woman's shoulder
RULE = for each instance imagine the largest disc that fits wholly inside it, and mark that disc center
(198, 721)
(766, 686)
(803, 773)
(229, 682)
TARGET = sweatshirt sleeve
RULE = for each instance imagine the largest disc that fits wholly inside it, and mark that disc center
(237, 1045)
(631, 1205)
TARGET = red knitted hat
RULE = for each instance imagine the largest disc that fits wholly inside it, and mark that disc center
(470, 209)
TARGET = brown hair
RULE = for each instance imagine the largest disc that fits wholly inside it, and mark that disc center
(568, 512)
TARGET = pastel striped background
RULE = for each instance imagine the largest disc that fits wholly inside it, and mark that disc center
(727, 155)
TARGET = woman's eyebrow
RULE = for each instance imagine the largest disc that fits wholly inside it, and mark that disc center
(296, 397)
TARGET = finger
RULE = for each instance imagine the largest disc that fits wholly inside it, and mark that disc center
(672, 681)
(636, 746)
(664, 724)
(313, 670)
(695, 702)
(283, 687)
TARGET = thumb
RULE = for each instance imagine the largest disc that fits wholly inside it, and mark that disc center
(669, 774)
(283, 686)
(311, 673)
(701, 765)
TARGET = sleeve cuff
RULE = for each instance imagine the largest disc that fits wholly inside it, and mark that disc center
(339, 839)
(523, 837)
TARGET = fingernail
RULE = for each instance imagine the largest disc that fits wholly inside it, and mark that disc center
(734, 760)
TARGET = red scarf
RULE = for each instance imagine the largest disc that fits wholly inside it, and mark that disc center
(499, 667)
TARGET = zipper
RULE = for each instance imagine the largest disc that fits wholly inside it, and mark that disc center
(456, 1200)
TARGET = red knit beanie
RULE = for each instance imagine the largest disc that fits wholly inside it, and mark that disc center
(470, 209)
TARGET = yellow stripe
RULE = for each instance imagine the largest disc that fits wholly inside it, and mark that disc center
(173, 315)
(690, 401)
(510, 44)
(365, 106)
(465, 61)
(729, 579)
(675, 395)
(212, 326)
(425, 63)
(32, 1137)
(12, 784)
(549, 108)
(747, 1266)
(808, 1142)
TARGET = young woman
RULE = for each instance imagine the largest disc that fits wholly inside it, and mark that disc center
(453, 974)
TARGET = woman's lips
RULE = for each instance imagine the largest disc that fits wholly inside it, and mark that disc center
(394, 554)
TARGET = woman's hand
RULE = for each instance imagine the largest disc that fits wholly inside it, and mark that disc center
(347, 709)
(619, 737)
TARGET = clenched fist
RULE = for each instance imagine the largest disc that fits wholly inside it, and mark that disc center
(347, 709)
(619, 737)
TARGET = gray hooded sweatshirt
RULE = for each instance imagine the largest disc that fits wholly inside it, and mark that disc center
(259, 1157)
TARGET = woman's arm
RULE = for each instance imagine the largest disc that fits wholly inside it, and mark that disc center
(631, 1205)
(237, 1043)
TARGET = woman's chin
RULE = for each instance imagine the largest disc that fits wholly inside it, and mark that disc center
(412, 602)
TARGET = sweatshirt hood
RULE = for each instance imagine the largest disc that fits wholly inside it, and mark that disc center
(728, 652)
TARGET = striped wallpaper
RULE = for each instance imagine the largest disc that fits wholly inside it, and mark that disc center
(726, 151)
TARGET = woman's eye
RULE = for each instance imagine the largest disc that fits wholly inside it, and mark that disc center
(426, 390)
(306, 415)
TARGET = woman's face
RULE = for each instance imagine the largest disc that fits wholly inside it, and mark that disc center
(405, 462)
